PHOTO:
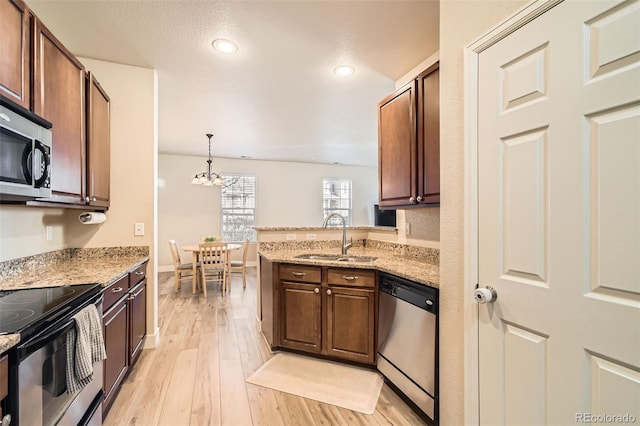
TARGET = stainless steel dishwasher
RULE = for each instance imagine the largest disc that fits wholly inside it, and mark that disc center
(408, 341)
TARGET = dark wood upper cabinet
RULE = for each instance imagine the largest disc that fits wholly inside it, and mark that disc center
(409, 143)
(98, 143)
(15, 52)
(59, 97)
(428, 137)
(397, 147)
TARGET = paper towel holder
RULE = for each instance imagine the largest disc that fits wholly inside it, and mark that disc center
(92, 218)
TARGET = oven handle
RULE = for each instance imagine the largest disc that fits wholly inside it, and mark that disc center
(50, 334)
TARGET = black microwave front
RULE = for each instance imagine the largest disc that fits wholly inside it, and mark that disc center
(25, 158)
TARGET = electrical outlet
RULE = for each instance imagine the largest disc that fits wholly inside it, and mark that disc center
(311, 236)
(138, 229)
(407, 229)
(291, 237)
(49, 232)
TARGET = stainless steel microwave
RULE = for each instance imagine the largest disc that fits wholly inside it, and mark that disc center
(25, 158)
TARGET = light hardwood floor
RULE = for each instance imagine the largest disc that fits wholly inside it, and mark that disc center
(196, 375)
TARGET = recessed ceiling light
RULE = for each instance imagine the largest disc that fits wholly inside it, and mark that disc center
(224, 46)
(344, 70)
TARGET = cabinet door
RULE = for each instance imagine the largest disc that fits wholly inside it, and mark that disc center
(301, 316)
(58, 95)
(15, 52)
(98, 143)
(115, 342)
(397, 147)
(138, 319)
(351, 323)
(428, 137)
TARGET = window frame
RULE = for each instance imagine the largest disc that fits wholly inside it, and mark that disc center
(248, 233)
(326, 211)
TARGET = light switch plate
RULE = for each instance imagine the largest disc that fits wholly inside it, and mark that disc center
(407, 229)
(291, 237)
(311, 236)
(49, 232)
(138, 229)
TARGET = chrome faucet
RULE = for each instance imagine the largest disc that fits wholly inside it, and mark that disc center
(345, 246)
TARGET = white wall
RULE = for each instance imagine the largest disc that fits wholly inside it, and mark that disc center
(461, 22)
(289, 194)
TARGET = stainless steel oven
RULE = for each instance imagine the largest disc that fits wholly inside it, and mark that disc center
(38, 365)
(25, 157)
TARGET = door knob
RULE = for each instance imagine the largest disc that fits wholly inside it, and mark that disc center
(316, 290)
(329, 292)
(485, 295)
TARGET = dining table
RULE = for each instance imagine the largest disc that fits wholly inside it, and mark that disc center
(195, 250)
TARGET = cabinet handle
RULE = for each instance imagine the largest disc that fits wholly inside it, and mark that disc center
(132, 297)
(419, 198)
(298, 274)
(412, 200)
(116, 290)
(139, 273)
(316, 290)
(328, 292)
(87, 199)
(349, 278)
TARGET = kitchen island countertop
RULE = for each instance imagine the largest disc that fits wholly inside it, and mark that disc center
(413, 269)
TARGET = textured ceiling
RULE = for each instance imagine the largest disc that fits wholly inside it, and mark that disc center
(277, 97)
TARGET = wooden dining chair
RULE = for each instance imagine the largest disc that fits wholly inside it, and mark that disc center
(213, 265)
(241, 265)
(180, 270)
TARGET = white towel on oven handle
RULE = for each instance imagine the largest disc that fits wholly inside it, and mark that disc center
(85, 345)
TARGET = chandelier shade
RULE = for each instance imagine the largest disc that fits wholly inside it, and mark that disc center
(208, 177)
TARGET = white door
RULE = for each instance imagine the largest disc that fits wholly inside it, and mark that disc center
(559, 218)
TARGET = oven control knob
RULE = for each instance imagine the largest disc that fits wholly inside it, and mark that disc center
(6, 420)
(485, 295)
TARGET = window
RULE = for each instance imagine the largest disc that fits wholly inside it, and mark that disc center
(238, 201)
(336, 195)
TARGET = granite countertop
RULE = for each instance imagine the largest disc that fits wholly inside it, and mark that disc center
(416, 270)
(98, 269)
(8, 341)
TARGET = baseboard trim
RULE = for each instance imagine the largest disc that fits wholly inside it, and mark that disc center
(151, 341)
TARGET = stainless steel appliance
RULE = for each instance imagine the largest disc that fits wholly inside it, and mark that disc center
(37, 366)
(25, 157)
(408, 341)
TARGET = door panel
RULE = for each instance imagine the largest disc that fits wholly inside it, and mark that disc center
(559, 201)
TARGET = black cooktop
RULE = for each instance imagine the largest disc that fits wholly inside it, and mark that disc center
(23, 309)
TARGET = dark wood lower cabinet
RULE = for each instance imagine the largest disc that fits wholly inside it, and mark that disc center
(334, 314)
(351, 324)
(138, 319)
(125, 324)
(301, 316)
(115, 339)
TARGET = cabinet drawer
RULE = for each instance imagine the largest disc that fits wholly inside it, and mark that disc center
(115, 291)
(4, 377)
(302, 273)
(137, 275)
(352, 277)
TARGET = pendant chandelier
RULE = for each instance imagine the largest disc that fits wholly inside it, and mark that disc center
(208, 178)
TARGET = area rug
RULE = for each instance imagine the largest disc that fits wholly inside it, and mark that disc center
(346, 386)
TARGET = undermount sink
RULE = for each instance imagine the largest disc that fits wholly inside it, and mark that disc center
(336, 258)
